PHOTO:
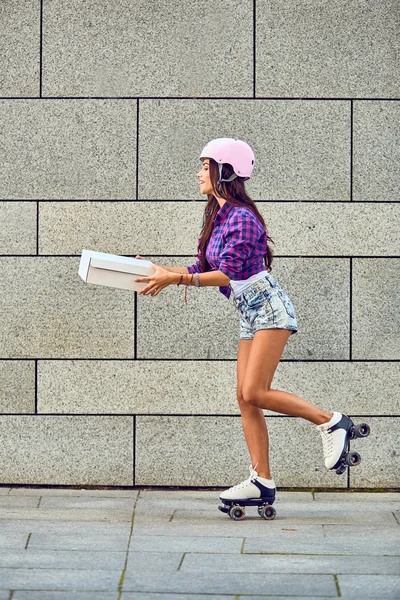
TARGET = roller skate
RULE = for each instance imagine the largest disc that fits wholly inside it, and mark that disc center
(255, 491)
(335, 437)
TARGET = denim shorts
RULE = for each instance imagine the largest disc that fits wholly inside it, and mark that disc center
(264, 305)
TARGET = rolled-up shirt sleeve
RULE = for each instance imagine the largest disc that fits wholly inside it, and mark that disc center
(196, 268)
(239, 244)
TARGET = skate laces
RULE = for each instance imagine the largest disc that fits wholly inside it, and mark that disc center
(253, 475)
(327, 439)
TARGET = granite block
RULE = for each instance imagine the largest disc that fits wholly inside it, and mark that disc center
(305, 229)
(149, 386)
(33, 558)
(219, 583)
(380, 451)
(170, 451)
(301, 148)
(251, 563)
(376, 152)
(163, 227)
(68, 149)
(17, 386)
(371, 586)
(18, 230)
(375, 315)
(67, 450)
(61, 579)
(142, 49)
(168, 227)
(319, 289)
(353, 388)
(332, 49)
(19, 50)
(50, 312)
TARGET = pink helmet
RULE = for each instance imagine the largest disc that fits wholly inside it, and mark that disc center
(236, 153)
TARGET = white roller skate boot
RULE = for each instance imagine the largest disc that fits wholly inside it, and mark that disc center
(254, 491)
(335, 437)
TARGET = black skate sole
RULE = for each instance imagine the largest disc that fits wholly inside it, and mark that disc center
(235, 508)
(347, 458)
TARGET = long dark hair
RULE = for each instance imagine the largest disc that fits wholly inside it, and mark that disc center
(235, 193)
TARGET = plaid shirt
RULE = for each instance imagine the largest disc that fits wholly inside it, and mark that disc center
(236, 245)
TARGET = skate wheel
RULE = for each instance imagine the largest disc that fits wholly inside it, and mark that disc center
(341, 469)
(362, 430)
(267, 512)
(236, 512)
(352, 459)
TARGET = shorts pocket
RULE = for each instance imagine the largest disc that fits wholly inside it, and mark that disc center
(287, 303)
(258, 299)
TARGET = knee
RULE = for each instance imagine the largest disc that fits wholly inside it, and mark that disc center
(240, 399)
(253, 395)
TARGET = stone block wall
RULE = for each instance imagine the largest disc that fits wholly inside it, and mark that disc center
(104, 109)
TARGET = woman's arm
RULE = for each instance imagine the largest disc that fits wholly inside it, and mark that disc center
(176, 269)
(217, 278)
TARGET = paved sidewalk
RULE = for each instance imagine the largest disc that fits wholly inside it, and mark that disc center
(60, 544)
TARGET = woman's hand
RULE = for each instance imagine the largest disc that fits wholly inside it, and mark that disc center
(156, 282)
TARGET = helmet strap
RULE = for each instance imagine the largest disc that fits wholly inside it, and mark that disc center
(231, 178)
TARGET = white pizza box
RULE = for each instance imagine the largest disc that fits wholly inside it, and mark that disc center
(113, 270)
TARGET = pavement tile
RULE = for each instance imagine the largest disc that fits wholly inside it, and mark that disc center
(67, 595)
(249, 563)
(79, 514)
(18, 503)
(162, 596)
(59, 579)
(369, 586)
(4, 491)
(64, 527)
(80, 541)
(4, 595)
(60, 491)
(236, 583)
(367, 541)
(62, 559)
(138, 562)
(89, 502)
(13, 540)
(369, 497)
(151, 543)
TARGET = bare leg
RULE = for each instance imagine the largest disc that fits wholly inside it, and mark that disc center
(257, 362)
(253, 419)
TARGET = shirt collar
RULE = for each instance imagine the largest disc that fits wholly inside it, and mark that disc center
(223, 212)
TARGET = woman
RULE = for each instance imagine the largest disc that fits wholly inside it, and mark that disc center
(231, 253)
